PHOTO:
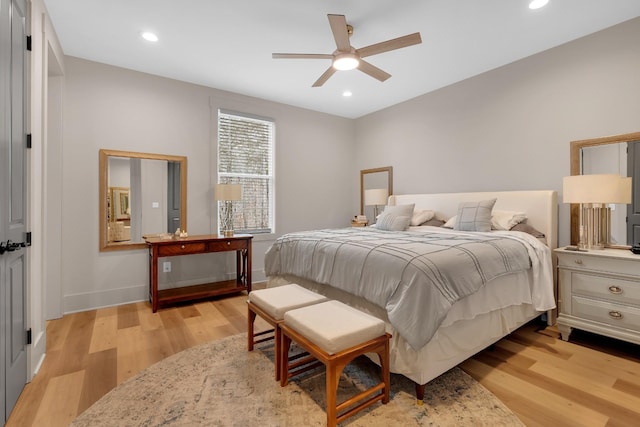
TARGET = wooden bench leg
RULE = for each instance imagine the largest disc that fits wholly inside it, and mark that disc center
(283, 359)
(276, 358)
(251, 318)
(385, 371)
(333, 373)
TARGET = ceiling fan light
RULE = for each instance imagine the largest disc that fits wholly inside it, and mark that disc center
(537, 4)
(345, 61)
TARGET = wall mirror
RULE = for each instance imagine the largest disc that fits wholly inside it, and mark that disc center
(141, 194)
(609, 155)
(373, 179)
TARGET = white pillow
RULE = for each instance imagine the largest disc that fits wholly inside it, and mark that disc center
(395, 218)
(421, 216)
(450, 222)
(506, 220)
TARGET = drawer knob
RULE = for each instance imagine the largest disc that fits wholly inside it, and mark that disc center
(615, 289)
(615, 315)
(578, 261)
(228, 243)
(182, 246)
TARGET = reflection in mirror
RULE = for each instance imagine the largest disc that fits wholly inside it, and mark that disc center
(377, 178)
(141, 194)
(600, 156)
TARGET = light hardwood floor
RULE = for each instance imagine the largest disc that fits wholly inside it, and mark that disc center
(590, 381)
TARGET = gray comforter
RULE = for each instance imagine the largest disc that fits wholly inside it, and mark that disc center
(415, 276)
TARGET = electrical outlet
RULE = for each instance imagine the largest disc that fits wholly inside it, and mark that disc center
(166, 267)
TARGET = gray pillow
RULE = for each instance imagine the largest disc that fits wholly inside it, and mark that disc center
(526, 228)
(434, 222)
(395, 218)
(474, 216)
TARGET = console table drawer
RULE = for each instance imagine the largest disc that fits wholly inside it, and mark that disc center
(621, 316)
(231, 245)
(183, 249)
(602, 287)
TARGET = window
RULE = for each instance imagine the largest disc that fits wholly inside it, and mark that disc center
(245, 157)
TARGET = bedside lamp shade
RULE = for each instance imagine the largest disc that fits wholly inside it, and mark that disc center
(227, 194)
(375, 197)
(594, 193)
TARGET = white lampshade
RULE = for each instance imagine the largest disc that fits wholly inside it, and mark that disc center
(227, 192)
(624, 188)
(376, 196)
(602, 188)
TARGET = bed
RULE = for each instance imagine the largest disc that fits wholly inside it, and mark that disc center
(434, 327)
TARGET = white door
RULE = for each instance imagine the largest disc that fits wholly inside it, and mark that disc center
(13, 202)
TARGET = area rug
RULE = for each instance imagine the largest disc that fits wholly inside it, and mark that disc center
(221, 384)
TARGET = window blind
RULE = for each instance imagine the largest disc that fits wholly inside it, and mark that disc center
(245, 157)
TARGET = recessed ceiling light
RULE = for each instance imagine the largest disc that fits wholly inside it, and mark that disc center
(347, 93)
(149, 36)
(537, 4)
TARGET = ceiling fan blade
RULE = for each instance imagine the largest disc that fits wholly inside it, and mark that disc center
(400, 42)
(301, 56)
(339, 29)
(324, 77)
(373, 71)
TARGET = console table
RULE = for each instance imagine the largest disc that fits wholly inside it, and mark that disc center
(158, 248)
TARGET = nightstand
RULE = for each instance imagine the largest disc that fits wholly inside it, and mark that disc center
(599, 291)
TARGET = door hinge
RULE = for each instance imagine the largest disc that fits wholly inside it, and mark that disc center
(28, 140)
(29, 43)
(27, 238)
(28, 336)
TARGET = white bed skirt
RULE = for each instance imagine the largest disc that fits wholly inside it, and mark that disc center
(471, 325)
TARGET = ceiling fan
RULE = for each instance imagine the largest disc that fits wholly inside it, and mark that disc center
(346, 57)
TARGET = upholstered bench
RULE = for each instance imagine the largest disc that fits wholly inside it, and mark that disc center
(335, 334)
(271, 304)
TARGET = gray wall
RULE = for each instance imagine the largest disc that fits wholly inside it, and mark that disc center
(510, 128)
(113, 108)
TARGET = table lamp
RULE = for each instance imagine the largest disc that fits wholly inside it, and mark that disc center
(227, 194)
(594, 193)
(375, 197)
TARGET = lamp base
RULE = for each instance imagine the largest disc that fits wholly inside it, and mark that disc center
(595, 226)
(227, 233)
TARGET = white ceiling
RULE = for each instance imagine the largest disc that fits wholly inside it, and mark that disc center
(228, 44)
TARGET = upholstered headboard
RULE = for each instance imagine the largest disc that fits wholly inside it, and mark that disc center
(541, 206)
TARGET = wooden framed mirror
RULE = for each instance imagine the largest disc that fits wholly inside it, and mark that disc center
(140, 194)
(605, 155)
(375, 178)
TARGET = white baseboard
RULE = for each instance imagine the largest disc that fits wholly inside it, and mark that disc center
(111, 297)
(38, 352)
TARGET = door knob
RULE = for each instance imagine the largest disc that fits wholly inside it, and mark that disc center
(11, 246)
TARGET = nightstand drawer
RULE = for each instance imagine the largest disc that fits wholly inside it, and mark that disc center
(581, 261)
(616, 290)
(618, 315)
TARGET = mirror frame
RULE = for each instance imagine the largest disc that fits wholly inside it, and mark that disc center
(574, 155)
(103, 190)
(388, 169)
